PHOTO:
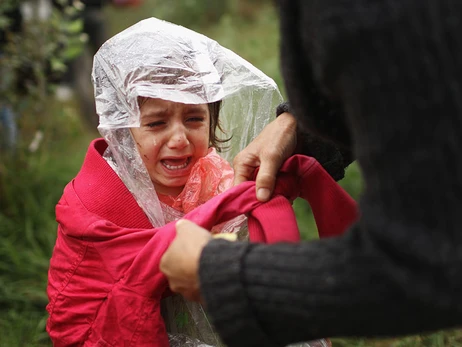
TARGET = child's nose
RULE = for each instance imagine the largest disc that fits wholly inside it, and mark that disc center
(179, 139)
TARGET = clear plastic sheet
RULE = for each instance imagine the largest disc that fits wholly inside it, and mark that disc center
(157, 59)
(187, 319)
(185, 341)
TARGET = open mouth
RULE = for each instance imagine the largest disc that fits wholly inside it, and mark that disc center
(176, 164)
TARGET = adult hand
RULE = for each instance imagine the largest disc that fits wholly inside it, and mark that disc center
(180, 263)
(268, 151)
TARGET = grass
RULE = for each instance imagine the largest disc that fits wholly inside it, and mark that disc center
(32, 182)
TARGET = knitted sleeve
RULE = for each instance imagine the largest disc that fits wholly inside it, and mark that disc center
(334, 158)
(261, 295)
(394, 67)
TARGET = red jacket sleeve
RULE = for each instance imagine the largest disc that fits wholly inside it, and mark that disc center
(105, 285)
(131, 311)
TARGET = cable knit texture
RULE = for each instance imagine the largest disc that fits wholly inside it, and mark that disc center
(385, 78)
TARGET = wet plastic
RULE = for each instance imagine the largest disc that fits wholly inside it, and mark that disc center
(157, 59)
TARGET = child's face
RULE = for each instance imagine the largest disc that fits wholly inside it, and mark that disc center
(170, 139)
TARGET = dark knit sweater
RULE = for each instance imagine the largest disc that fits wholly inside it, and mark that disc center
(385, 76)
(333, 157)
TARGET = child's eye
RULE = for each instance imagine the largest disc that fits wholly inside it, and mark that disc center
(155, 124)
(195, 119)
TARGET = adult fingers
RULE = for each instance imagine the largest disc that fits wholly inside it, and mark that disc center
(243, 173)
(266, 177)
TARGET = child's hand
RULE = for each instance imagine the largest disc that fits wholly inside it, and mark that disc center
(180, 263)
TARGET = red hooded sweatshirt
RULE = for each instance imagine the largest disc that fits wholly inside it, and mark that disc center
(104, 283)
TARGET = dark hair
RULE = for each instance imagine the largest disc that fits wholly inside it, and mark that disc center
(214, 110)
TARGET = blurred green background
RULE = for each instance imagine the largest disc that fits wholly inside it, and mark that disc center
(55, 127)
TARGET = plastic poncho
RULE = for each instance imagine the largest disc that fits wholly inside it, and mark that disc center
(157, 59)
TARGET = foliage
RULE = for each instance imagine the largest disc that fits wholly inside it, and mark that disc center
(451, 338)
(34, 58)
(30, 185)
(192, 12)
(199, 14)
(32, 177)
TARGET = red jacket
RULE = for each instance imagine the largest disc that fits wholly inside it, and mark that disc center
(104, 284)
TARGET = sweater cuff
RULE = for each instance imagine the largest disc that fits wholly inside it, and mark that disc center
(225, 294)
(284, 107)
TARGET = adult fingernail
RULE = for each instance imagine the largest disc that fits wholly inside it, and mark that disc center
(263, 194)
